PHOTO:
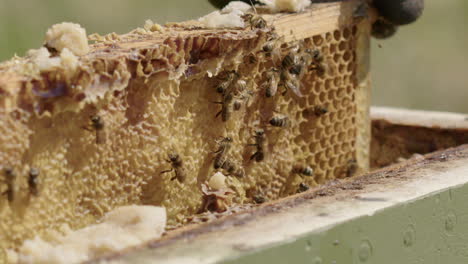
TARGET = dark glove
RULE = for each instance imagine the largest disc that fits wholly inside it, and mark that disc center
(394, 13)
(400, 12)
(222, 3)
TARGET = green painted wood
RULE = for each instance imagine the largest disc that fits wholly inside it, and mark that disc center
(430, 230)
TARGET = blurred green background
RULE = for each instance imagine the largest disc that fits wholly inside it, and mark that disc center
(425, 66)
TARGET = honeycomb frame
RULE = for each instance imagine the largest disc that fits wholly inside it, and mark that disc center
(151, 88)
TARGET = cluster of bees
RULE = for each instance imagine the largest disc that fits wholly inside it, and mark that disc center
(10, 181)
(234, 94)
(287, 73)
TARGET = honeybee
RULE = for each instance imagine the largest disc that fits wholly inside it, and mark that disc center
(226, 107)
(10, 178)
(296, 69)
(242, 95)
(252, 58)
(317, 63)
(259, 143)
(259, 199)
(239, 173)
(290, 83)
(292, 68)
(33, 181)
(303, 187)
(303, 170)
(290, 60)
(229, 166)
(232, 169)
(351, 168)
(316, 111)
(255, 20)
(227, 80)
(272, 49)
(177, 167)
(97, 125)
(269, 47)
(296, 59)
(240, 86)
(222, 151)
(271, 84)
(279, 121)
(320, 110)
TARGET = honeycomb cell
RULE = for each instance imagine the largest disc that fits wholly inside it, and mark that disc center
(337, 81)
(323, 165)
(341, 136)
(338, 126)
(318, 87)
(348, 123)
(341, 115)
(329, 152)
(342, 68)
(337, 35)
(337, 58)
(318, 133)
(318, 40)
(342, 45)
(325, 51)
(347, 101)
(328, 84)
(297, 152)
(324, 121)
(347, 56)
(340, 93)
(323, 143)
(351, 68)
(346, 33)
(323, 96)
(299, 116)
(337, 149)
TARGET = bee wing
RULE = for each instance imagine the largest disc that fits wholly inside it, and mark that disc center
(295, 86)
(270, 88)
(276, 56)
(274, 85)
